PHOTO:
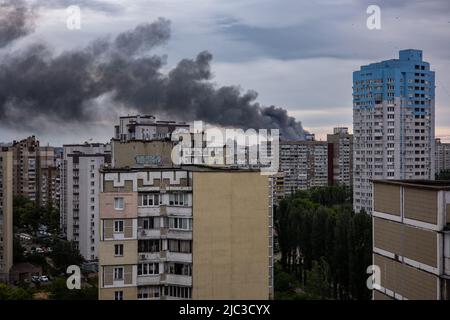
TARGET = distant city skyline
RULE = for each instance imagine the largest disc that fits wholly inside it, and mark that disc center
(312, 47)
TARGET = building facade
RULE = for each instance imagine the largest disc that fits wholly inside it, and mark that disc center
(49, 177)
(304, 164)
(6, 213)
(185, 233)
(442, 156)
(145, 127)
(411, 239)
(393, 123)
(340, 157)
(80, 189)
(36, 172)
(26, 168)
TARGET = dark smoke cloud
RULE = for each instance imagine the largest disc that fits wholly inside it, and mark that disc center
(16, 20)
(63, 88)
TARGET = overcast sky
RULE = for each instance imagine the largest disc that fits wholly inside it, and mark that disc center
(296, 54)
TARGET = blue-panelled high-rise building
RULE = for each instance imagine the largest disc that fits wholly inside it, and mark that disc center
(393, 123)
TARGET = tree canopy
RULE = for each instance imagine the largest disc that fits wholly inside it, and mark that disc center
(324, 244)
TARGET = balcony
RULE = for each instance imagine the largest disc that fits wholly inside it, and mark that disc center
(176, 279)
(149, 256)
(149, 233)
(148, 280)
(177, 256)
(149, 211)
(176, 234)
(165, 256)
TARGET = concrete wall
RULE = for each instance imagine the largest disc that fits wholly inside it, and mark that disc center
(7, 228)
(409, 282)
(230, 236)
(407, 241)
(124, 153)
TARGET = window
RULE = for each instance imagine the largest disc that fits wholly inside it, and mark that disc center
(149, 223)
(118, 295)
(149, 200)
(179, 292)
(145, 269)
(150, 246)
(118, 273)
(118, 203)
(182, 246)
(180, 223)
(184, 269)
(118, 226)
(148, 292)
(118, 250)
(178, 199)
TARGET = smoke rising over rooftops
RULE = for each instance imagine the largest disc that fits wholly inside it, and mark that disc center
(68, 87)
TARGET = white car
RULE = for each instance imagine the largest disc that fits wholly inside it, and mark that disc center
(43, 279)
(39, 250)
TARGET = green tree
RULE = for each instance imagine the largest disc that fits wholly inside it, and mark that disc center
(321, 237)
(18, 251)
(318, 280)
(443, 175)
(58, 291)
(65, 254)
(51, 218)
(26, 214)
(10, 293)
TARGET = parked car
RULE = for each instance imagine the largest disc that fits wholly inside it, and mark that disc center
(39, 250)
(35, 278)
(43, 279)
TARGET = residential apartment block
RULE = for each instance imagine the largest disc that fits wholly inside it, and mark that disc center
(191, 232)
(442, 156)
(80, 188)
(411, 239)
(304, 164)
(145, 127)
(6, 213)
(49, 176)
(36, 172)
(393, 123)
(340, 157)
(26, 168)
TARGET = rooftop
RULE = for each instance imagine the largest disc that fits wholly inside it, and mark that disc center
(424, 184)
(193, 168)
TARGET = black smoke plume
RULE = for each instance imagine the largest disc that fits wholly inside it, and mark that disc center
(16, 20)
(35, 83)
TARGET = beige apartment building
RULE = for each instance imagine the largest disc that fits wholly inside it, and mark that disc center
(26, 168)
(411, 239)
(304, 164)
(6, 213)
(442, 156)
(36, 172)
(340, 157)
(191, 232)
